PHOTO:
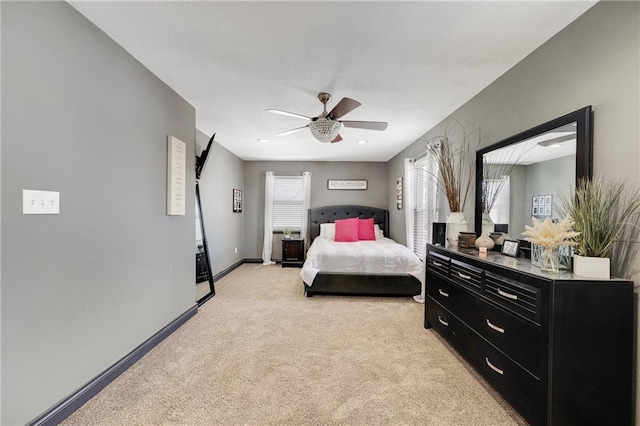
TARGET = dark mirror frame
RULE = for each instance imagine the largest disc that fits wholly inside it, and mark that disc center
(212, 290)
(584, 150)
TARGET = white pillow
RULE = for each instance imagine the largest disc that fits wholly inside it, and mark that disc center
(378, 231)
(328, 231)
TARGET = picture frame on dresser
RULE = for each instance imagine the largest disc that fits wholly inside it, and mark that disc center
(510, 248)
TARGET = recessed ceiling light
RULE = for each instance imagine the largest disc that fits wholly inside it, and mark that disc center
(556, 142)
(263, 140)
(362, 141)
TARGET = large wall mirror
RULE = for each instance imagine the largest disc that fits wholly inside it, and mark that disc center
(523, 176)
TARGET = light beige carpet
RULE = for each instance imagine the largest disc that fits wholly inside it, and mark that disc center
(260, 353)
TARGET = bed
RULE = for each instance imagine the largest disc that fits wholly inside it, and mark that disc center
(321, 277)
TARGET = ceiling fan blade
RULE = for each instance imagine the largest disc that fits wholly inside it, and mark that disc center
(337, 139)
(371, 125)
(345, 106)
(288, 132)
(290, 114)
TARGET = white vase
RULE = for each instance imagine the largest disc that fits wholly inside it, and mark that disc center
(484, 241)
(593, 267)
(487, 224)
(456, 223)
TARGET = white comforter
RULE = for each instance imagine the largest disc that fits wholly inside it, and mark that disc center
(377, 256)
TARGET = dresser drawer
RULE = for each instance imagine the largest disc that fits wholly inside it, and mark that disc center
(466, 275)
(438, 263)
(444, 292)
(521, 340)
(446, 324)
(517, 297)
(526, 393)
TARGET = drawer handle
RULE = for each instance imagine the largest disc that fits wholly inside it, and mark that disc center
(493, 367)
(466, 277)
(436, 263)
(507, 295)
(442, 321)
(495, 327)
(443, 293)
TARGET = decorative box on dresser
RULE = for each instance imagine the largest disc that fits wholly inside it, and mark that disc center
(558, 347)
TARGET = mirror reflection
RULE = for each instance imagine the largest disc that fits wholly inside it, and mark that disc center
(523, 176)
(544, 166)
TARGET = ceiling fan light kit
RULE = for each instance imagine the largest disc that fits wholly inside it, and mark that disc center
(326, 127)
(325, 130)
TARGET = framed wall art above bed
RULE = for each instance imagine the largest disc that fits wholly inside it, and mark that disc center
(353, 184)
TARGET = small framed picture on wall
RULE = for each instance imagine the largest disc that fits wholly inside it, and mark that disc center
(237, 201)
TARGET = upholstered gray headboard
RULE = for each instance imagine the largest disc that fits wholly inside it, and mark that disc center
(330, 214)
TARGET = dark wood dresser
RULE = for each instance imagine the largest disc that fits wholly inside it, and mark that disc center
(558, 347)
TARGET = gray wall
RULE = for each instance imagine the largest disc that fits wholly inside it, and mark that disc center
(594, 61)
(224, 229)
(254, 172)
(83, 288)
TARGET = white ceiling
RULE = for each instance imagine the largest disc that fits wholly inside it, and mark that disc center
(409, 63)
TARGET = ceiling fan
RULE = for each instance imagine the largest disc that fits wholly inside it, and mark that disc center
(326, 127)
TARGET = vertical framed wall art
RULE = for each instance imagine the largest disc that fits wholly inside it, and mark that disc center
(176, 176)
(399, 193)
(237, 201)
(542, 206)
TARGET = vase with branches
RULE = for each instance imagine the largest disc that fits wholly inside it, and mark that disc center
(454, 153)
(601, 210)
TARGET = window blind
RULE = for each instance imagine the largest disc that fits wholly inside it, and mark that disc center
(288, 194)
(500, 210)
(198, 227)
(425, 203)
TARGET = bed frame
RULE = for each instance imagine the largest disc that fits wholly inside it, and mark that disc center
(357, 284)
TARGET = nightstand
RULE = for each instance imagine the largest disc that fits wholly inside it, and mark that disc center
(292, 252)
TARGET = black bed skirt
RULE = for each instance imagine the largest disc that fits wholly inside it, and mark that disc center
(364, 284)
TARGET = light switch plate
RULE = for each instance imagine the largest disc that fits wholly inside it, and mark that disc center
(40, 202)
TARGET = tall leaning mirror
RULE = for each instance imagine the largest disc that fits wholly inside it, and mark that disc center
(205, 289)
(204, 280)
(523, 176)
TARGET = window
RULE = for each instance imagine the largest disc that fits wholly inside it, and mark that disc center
(425, 205)
(198, 227)
(288, 197)
(500, 210)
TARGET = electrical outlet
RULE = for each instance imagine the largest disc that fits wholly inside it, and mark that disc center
(40, 202)
(235, 250)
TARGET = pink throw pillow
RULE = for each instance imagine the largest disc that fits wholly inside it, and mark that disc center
(347, 230)
(366, 230)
